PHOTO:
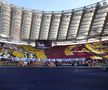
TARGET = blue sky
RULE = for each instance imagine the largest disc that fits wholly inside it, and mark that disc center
(52, 5)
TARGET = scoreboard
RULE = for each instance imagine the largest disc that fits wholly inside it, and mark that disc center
(43, 44)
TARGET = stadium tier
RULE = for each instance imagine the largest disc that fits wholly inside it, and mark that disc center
(89, 51)
(21, 25)
(33, 35)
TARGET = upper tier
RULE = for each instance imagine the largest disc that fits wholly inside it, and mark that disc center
(18, 24)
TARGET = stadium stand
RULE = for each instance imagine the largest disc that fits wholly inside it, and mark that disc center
(80, 53)
(36, 52)
(74, 43)
(35, 37)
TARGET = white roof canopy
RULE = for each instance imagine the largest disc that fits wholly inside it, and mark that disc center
(86, 24)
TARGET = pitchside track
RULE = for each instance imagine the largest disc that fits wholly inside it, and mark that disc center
(54, 78)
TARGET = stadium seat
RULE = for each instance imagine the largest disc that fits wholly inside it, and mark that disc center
(18, 54)
(67, 52)
(37, 52)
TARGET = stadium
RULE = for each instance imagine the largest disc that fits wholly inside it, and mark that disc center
(73, 42)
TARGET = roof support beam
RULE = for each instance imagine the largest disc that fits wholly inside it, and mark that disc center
(61, 19)
(42, 17)
(80, 23)
(51, 21)
(105, 21)
(93, 17)
(31, 28)
(72, 14)
(22, 17)
(11, 16)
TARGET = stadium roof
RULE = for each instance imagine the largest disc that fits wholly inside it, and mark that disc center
(21, 25)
